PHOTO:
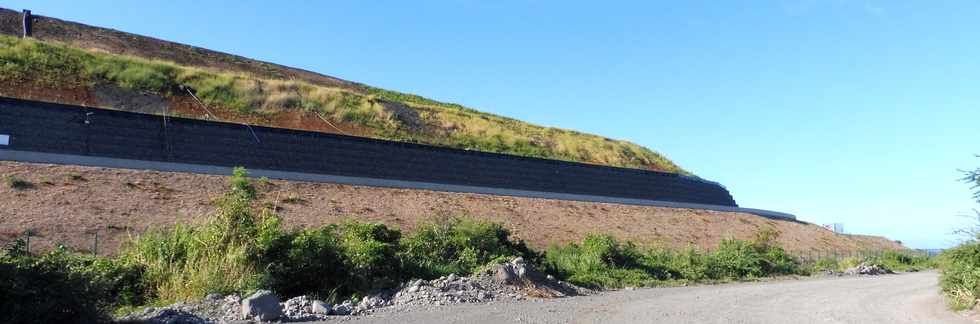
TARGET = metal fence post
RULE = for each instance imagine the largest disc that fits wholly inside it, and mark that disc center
(95, 245)
(28, 243)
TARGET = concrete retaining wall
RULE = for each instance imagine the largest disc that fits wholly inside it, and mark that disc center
(54, 133)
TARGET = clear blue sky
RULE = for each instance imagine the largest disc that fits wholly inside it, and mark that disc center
(857, 112)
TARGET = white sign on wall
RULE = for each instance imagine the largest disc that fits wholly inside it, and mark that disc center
(4, 139)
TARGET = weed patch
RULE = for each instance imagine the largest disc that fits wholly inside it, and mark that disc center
(960, 278)
(16, 183)
(602, 262)
(460, 246)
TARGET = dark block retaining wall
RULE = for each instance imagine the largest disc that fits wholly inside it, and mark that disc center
(53, 128)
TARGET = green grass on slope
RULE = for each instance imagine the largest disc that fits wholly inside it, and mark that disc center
(388, 114)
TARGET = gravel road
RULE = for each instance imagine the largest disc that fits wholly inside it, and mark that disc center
(905, 298)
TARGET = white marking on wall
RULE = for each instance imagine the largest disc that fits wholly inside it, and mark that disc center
(4, 139)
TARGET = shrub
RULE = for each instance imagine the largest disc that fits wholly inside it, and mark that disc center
(121, 283)
(960, 277)
(305, 262)
(332, 262)
(187, 262)
(602, 262)
(688, 264)
(17, 183)
(460, 246)
(60, 287)
(44, 292)
(899, 261)
(736, 259)
(825, 264)
(370, 255)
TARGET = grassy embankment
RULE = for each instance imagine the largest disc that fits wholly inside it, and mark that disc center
(384, 114)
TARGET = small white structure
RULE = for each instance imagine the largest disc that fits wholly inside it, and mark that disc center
(835, 227)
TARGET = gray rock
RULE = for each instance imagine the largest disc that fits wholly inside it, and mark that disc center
(519, 266)
(304, 309)
(344, 308)
(504, 274)
(320, 307)
(512, 272)
(168, 316)
(262, 306)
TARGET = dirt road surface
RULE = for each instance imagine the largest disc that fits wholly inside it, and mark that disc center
(905, 298)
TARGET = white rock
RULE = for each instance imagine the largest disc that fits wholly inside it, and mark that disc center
(320, 307)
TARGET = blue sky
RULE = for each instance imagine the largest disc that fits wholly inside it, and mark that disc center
(857, 112)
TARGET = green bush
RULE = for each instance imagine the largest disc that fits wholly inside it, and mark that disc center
(370, 254)
(305, 262)
(458, 245)
(899, 261)
(824, 264)
(602, 262)
(688, 264)
(59, 287)
(736, 259)
(599, 262)
(220, 256)
(17, 183)
(960, 277)
(40, 292)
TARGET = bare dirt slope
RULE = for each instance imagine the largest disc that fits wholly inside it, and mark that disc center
(907, 298)
(70, 203)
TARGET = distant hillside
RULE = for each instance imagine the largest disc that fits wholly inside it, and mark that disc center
(78, 64)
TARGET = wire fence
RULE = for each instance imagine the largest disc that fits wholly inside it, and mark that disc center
(92, 242)
(97, 242)
(816, 255)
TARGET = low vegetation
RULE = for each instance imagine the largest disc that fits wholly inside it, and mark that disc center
(382, 113)
(16, 183)
(601, 262)
(460, 246)
(243, 246)
(63, 287)
(904, 262)
(892, 260)
(960, 266)
(961, 275)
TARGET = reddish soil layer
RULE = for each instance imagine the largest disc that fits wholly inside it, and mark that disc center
(110, 97)
(69, 204)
